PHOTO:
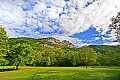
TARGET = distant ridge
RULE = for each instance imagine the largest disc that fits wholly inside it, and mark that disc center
(104, 48)
(49, 42)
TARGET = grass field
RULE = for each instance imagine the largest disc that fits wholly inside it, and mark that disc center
(61, 73)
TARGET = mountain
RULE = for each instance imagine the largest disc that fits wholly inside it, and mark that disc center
(104, 48)
(67, 44)
(49, 42)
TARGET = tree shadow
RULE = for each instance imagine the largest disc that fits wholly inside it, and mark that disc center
(10, 69)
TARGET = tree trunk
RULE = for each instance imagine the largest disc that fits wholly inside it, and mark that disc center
(17, 66)
(86, 64)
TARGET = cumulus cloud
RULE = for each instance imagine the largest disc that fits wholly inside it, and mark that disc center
(39, 18)
(96, 38)
(111, 43)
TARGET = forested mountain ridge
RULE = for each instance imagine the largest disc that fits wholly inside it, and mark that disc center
(49, 42)
(55, 43)
(52, 52)
(104, 48)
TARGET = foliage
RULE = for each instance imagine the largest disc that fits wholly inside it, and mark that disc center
(108, 55)
(59, 55)
(3, 46)
(20, 54)
(115, 26)
(88, 55)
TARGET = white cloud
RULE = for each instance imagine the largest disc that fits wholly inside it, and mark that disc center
(111, 43)
(71, 21)
(10, 15)
(96, 38)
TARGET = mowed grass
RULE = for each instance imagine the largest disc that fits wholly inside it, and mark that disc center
(61, 73)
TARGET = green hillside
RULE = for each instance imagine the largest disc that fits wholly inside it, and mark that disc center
(42, 42)
(104, 48)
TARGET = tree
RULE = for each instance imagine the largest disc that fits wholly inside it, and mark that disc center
(3, 46)
(38, 58)
(71, 56)
(115, 25)
(88, 55)
(112, 58)
(20, 54)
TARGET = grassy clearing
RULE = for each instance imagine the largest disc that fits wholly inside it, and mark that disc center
(61, 73)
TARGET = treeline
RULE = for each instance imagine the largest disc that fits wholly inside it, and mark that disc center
(110, 54)
(38, 55)
(32, 52)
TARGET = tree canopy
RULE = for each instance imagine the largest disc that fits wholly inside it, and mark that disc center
(20, 54)
(45, 52)
(3, 45)
(65, 56)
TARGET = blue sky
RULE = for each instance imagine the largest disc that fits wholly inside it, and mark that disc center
(82, 22)
(89, 36)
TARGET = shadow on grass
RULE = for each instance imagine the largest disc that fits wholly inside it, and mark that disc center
(3, 70)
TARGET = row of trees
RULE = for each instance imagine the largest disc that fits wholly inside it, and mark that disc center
(27, 52)
(23, 53)
(65, 57)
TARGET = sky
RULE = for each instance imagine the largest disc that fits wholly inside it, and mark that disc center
(82, 22)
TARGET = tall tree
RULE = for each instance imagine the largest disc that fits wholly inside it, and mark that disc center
(71, 56)
(20, 54)
(115, 25)
(3, 45)
(88, 55)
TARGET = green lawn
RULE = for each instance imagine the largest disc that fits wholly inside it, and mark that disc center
(61, 73)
